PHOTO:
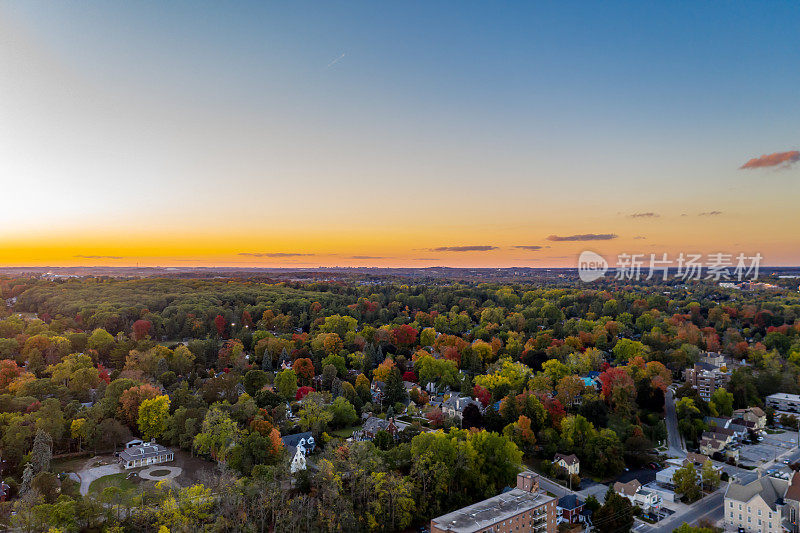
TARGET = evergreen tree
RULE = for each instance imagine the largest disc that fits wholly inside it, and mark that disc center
(616, 514)
(266, 362)
(394, 391)
(42, 451)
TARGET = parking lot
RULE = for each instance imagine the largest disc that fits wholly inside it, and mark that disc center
(772, 447)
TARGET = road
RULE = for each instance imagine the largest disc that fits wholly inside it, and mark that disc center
(674, 440)
(709, 508)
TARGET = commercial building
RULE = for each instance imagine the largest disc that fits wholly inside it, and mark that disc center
(766, 505)
(524, 508)
(781, 401)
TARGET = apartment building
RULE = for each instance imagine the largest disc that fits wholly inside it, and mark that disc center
(706, 378)
(524, 508)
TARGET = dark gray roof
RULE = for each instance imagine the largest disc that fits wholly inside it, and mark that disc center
(143, 451)
(771, 490)
(483, 514)
(293, 440)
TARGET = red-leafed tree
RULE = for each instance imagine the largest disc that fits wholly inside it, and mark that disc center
(482, 395)
(302, 391)
(141, 329)
(612, 378)
(247, 319)
(410, 376)
(435, 417)
(404, 335)
(304, 369)
(219, 323)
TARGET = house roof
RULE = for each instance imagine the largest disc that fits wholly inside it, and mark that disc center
(294, 440)
(770, 489)
(570, 502)
(570, 459)
(143, 451)
(628, 489)
(793, 491)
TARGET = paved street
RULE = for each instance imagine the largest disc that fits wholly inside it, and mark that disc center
(674, 439)
(709, 508)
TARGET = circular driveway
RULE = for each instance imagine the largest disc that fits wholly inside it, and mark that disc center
(174, 472)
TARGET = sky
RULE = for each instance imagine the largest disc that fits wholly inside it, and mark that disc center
(396, 134)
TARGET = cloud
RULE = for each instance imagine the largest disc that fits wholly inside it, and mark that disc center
(366, 257)
(584, 237)
(531, 247)
(784, 159)
(99, 257)
(710, 213)
(639, 238)
(649, 214)
(274, 254)
(332, 63)
(482, 248)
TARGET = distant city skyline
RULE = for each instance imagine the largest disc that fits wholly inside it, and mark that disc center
(413, 134)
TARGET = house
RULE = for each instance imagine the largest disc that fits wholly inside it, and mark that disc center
(301, 441)
(569, 463)
(524, 508)
(570, 509)
(649, 501)
(378, 389)
(756, 415)
(147, 453)
(454, 405)
(373, 425)
(5, 488)
(768, 505)
(134, 442)
(298, 461)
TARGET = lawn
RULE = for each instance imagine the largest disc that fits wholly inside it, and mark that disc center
(344, 432)
(113, 480)
(159, 473)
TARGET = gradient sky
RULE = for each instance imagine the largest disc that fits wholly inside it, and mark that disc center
(396, 134)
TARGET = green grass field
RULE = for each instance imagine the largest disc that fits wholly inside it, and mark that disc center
(114, 480)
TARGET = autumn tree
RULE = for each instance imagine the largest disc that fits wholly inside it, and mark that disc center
(154, 416)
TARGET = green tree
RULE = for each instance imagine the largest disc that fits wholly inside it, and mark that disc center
(154, 417)
(42, 452)
(686, 482)
(313, 415)
(722, 402)
(219, 434)
(616, 514)
(286, 383)
(343, 413)
(711, 478)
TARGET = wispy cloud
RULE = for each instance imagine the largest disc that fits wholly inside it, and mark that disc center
(531, 247)
(584, 237)
(366, 257)
(333, 62)
(709, 213)
(649, 214)
(639, 238)
(481, 248)
(99, 256)
(784, 159)
(274, 254)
